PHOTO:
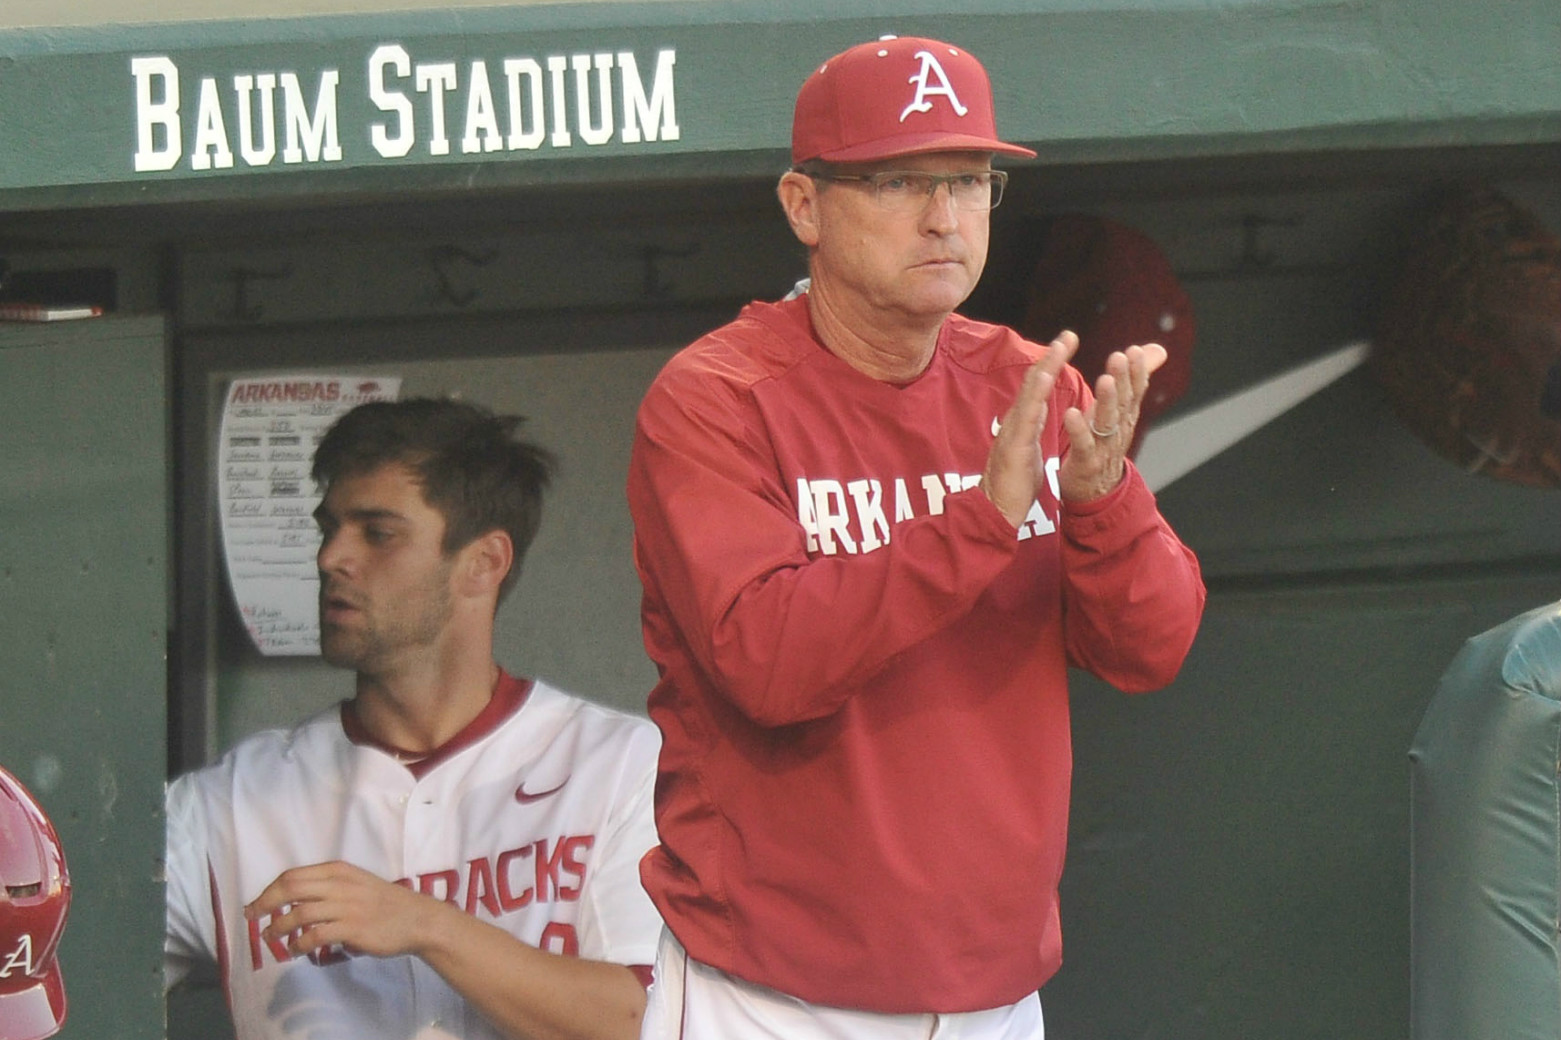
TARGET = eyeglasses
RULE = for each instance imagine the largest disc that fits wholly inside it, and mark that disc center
(906, 190)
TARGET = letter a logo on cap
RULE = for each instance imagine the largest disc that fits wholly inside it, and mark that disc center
(919, 103)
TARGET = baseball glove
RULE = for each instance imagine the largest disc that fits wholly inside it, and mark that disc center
(1468, 345)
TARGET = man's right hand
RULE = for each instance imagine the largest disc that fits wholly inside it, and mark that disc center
(340, 904)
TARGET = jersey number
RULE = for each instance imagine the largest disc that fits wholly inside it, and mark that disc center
(558, 937)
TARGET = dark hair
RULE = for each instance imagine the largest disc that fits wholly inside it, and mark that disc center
(469, 463)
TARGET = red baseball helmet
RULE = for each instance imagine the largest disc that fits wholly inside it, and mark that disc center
(1111, 284)
(34, 899)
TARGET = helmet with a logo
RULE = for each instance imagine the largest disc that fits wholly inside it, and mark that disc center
(34, 899)
(1110, 283)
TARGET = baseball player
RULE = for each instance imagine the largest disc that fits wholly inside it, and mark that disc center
(452, 853)
(873, 536)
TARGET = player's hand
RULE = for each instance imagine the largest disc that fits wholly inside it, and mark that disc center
(1014, 467)
(318, 906)
(1098, 438)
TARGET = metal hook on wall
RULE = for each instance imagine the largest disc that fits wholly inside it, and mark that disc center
(1253, 257)
(1550, 397)
(243, 310)
(443, 258)
(655, 287)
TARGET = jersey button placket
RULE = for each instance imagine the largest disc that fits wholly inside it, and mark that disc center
(417, 846)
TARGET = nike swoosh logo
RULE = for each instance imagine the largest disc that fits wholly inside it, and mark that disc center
(525, 797)
(1173, 449)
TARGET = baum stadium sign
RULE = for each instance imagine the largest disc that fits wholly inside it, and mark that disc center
(430, 106)
(321, 105)
(555, 91)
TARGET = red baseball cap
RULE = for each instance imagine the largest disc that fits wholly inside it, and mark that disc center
(900, 95)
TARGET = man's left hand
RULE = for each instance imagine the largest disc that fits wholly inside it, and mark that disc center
(1099, 436)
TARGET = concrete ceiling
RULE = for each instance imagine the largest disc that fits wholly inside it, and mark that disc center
(20, 14)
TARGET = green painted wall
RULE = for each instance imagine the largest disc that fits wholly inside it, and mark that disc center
(1238, 866)
(1084, 81)
(51, 13)
(84, 499)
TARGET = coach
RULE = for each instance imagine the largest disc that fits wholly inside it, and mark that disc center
(873, 536)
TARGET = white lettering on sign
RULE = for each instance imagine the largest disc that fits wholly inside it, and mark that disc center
(660, 108)
(157, 109)
(522, 136)
(254, 117)
(310, 130)
(311, 133)
(391, 144)
(609, 97)
(256, 154)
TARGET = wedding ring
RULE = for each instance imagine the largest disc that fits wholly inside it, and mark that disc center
(1097, 431)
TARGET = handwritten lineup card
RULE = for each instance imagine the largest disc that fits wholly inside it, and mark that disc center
(270, 427)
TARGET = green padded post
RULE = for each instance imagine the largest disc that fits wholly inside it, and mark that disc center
(1485, 840)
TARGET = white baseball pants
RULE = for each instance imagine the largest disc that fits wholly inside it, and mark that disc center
(693, 1001)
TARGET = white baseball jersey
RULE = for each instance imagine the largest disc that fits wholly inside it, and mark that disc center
(534, 818)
